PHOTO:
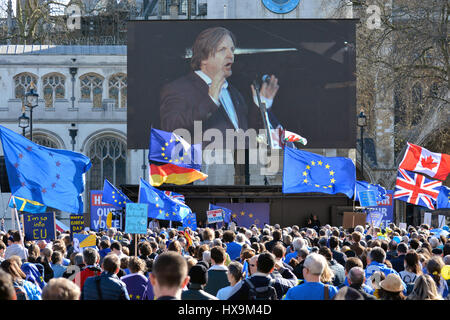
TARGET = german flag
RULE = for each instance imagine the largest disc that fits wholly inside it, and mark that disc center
(170, 173)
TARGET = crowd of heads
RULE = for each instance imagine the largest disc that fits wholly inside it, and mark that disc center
(391, 263)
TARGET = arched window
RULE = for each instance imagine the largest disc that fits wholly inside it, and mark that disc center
(434, 90)
(91, 85)
(45, 140)
(108, 155)
(22, 84)
(118, 89)
(53, 86)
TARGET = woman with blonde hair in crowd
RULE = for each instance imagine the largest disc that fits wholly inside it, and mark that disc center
(434, 267)
(424, 289)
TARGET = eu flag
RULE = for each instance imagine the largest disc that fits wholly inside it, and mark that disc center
(161, 206)
(167, 147)
(365, 186)
(49, 176)
(114, 196)
(190, 221)
(309, 172)
(226, 212)
(443, 198)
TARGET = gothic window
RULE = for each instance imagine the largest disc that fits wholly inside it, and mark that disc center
(54, 88)
(22, 83)
(108, 156)
(91, 85)
(118, 89)
(45, 141)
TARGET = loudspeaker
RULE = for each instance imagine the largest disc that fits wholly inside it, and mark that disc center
(4, 182)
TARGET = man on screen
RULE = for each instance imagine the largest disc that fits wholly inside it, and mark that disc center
(205, 95)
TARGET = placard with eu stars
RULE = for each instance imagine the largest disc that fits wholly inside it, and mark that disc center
(309, 172)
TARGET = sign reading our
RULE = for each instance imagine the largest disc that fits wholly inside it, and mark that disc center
(136, 218)
(100, 210)
(214, 216)
(76, 223)
(39, 226)
(384, 210)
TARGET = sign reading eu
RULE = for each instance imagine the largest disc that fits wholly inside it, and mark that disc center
(136, 218)
(39, 226)
(100, 210)
(384, 210)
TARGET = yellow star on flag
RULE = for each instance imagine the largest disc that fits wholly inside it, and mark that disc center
(313, 163)
(305, 173)
(327, 166)
(332, 180)
(305, 181)
(319, 163)
(317, 186)
(331, 173)
(234, 215)
(251, 215)
(242, 213)
(308, 167)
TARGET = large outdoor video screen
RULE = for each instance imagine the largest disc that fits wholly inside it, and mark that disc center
(313, 90)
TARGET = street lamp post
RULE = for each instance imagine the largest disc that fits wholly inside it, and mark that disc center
(24, 121)
(73, 131)
(362, 122)
(31, 101)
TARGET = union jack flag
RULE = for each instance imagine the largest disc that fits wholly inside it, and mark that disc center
(416, 189)
(175, 196)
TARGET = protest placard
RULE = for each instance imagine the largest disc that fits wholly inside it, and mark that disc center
(136, 218)
(100, 211)
(39, 226)
(368, 198)
(76, 223)
(214, 216)
(82, 241)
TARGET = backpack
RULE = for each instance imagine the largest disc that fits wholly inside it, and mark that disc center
(267, 292)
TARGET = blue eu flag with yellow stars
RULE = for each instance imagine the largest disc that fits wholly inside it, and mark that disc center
(167, 147)
(309, 172)
(161, 206)
(52, 177)
(114, 196)
(190, 221)
(443, 199)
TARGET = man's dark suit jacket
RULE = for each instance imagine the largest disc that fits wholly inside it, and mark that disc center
(186, 100)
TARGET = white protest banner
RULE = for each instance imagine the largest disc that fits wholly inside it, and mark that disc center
(441, 221)
(427, 218)
(214, 216)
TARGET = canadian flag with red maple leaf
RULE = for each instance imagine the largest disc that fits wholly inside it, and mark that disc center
(419, 159)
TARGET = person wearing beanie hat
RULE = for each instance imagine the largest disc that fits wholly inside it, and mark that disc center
(198, 279)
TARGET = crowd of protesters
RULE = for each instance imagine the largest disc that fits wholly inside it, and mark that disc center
(231, 263)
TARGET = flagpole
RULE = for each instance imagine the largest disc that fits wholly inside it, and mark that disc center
(18, 220)
(135, 235)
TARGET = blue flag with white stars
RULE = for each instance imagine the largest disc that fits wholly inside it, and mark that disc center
(161, 206)
(114, 196)
(52, 177)
(309, 172)
(167, 147)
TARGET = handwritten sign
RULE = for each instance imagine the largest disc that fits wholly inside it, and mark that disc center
(39, 226)
(367, 198)
(136, 218)
(76, 223)
(214, 216)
